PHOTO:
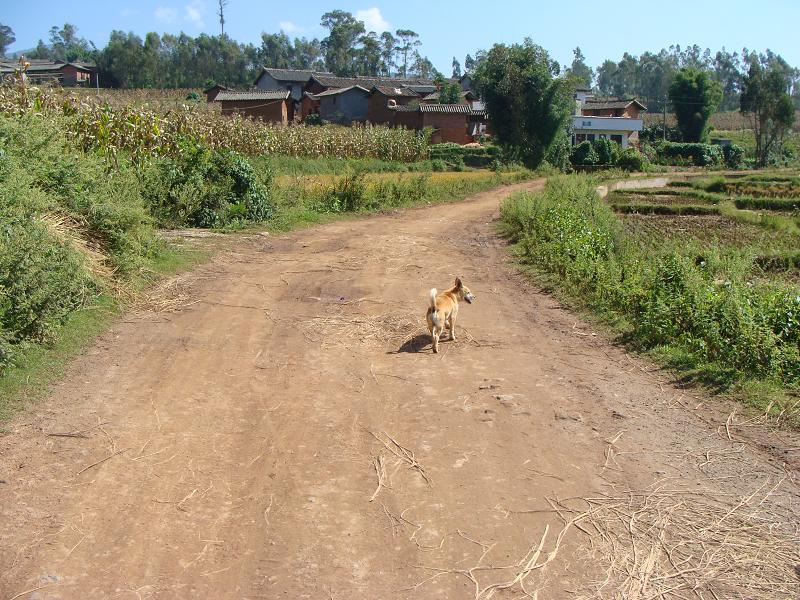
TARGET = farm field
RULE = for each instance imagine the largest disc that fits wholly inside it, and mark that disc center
(274, 419)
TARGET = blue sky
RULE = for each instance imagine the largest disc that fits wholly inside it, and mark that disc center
(446, 28)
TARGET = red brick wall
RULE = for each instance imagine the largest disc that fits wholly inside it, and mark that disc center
(72, 76)
(378, 111)
(449, 127)
(272, 111)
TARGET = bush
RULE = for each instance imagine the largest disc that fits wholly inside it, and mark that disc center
(314, 119)
(206, 188)
(733, 156)
(686, 298)
(607, 152)
(700, 155)
(584, 154)
(632, 160)
(67, 228)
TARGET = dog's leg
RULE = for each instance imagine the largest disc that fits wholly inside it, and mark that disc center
(452, 328)
(435, 340)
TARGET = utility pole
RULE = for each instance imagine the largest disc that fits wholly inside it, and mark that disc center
(223, 4)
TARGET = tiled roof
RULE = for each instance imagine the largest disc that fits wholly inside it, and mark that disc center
(465, 95)
(370, 82)
(592, 104)
(451, 109)
(460, 109)
(44, 66)
(422, 88)
(232, 96)
(293, 75)
(337, 91)
(395, 92)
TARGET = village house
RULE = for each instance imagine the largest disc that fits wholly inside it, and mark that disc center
(212, 92)
(274, 107)
(344, 105)
(616, 119)
(67, 74)
(457, 123)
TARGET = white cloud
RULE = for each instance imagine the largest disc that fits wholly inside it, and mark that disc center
(166, 14)
(289, 27)
(129, 12)
(373, 20)
(193, 12)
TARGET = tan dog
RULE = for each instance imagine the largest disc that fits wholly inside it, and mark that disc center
(444, 310)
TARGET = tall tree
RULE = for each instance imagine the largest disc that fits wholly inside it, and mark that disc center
(765, 97)
(388, 43)
(6, 38)
(344, 32)
(408, 42)
(67, 46)
(580, 70)
(694, 96)
(529, 104)
(277, 50)
(223, 4)
(456, 68)
(368, 56)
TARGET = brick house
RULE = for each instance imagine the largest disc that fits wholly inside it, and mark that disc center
(67, 74)
(383, 100)
(272, 107)
(344, 105)
(212, 92)
(457, 123)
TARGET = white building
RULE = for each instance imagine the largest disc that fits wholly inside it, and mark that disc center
(616, 119)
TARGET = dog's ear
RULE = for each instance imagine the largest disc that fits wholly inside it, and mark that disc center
(459, 285)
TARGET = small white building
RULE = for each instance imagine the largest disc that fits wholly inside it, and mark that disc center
(616, 119)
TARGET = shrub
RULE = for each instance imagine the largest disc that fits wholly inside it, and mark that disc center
(206, 188)
(607, 152)
(632, 160)
(584, 154)
(733, 155)
(690, 299)
(67, 228)
(700, 155)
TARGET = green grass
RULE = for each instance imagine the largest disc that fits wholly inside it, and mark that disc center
(38, 366)
(290, 165)
(706, 309)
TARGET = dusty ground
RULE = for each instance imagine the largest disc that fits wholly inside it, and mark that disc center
(275, 426)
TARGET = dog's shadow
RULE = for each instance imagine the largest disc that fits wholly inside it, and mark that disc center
(414, 345)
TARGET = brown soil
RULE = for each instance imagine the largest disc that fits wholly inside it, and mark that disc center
(275, 425)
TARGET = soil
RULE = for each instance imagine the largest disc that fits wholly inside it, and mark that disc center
(274, 425)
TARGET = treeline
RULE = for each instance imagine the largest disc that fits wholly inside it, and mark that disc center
(183, 61)
(650, 75)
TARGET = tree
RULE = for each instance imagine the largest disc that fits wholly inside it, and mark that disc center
(528, 104)
(765, 97)
(223, 4)
(422, 67)
(580, 70)
(456, 68)
(276, 50)
(406, 48)
(388, 43)
(7, 38)
(67, 46)
(368, 56)
(449, 93)
(694, 96)
(340, 45)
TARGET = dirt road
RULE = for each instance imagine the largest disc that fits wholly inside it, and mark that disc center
(277, 427)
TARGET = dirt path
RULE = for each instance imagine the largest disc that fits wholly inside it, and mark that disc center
(232, 447)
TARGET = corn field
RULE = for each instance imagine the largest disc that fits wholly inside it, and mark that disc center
(144, 132)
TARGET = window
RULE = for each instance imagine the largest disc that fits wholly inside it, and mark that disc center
(590, 137)
(580, 137)
(617, 139)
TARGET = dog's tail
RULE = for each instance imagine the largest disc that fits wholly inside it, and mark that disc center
(434, 313)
